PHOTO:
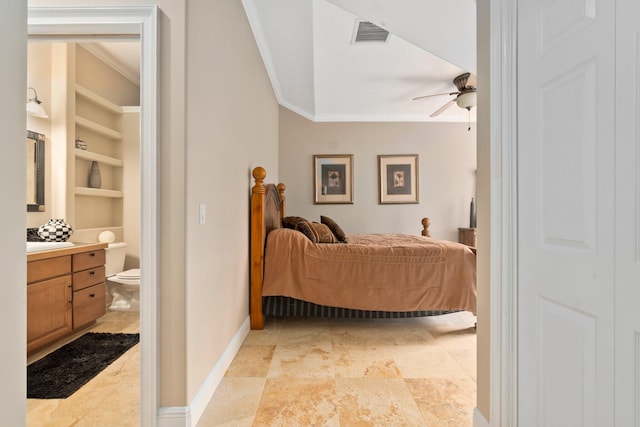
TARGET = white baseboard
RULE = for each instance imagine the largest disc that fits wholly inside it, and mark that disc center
(174, 416)
(479, 420)
(188, 416)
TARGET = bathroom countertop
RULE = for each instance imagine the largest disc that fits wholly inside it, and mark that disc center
(76, 248)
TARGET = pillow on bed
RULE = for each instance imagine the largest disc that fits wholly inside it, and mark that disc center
(305, 228)
(323, 233)
(300, 224)
(292, 221)
(334, 227)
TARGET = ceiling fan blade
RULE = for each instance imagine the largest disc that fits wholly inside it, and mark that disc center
(444, 107)
(436, 94)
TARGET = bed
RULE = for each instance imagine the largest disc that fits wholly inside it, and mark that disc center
(369, 275)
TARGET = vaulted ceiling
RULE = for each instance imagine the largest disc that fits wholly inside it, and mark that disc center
(319, 72)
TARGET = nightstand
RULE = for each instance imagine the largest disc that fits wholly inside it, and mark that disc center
(467, 236)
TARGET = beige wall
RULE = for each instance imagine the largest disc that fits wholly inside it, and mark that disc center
(94, 74)
(447, 172)
(232, 126)
(39, 77)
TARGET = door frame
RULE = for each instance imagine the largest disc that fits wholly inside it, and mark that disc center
(65, 23)
(503, 128)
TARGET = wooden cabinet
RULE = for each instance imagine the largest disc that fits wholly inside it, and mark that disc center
(65, 291)
(49, 310)
(88, 286)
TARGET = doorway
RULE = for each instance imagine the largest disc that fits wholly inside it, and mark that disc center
(92, 24)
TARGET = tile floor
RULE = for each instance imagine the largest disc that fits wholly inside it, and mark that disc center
(320, 372)
(305, 372)
(112, 398)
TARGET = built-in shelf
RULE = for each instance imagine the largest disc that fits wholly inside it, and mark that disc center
(97, 127)
(98, 192)
(93, 97)
(91, 156)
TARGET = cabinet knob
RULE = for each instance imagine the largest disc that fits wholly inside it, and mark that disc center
(91, 273)
(92, 254)
(92, 295)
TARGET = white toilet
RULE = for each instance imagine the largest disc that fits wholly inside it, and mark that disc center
(123, 286)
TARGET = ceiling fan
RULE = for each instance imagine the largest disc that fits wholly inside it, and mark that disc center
(465, 96)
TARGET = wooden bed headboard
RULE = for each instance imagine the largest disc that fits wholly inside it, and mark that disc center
(267, 211)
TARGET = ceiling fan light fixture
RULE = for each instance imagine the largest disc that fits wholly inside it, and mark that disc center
(466, 100)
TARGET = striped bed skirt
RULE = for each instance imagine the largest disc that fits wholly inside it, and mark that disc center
(291, 307)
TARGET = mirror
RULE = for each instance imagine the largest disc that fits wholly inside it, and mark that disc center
(35, 172)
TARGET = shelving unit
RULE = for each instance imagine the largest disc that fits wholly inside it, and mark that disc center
(97, 122)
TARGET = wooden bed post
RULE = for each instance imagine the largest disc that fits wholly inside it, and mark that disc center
(257, 248)
(426, 222)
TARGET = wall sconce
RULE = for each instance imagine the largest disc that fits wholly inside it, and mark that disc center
(34, 106)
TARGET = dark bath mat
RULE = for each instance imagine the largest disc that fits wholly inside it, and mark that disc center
(59, 374)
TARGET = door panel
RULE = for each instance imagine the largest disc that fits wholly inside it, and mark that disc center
(565, 212)
(628, 213)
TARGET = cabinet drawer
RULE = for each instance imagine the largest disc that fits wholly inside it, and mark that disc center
(48, 268)
(88, 304)
(86, 278)
(91, 259)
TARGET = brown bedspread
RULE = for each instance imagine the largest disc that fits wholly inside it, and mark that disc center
(386, 272)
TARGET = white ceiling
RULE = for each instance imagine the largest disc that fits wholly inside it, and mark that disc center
(318, 72)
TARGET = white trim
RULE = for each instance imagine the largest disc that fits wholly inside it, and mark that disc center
(188, 416)
(71, 22)
(479, 420)
(204, 395)
(504, 257)
(174, 416)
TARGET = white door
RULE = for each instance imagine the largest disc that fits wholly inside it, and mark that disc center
(627, 255)
(566, 112)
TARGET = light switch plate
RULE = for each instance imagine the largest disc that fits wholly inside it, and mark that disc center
(203, 214)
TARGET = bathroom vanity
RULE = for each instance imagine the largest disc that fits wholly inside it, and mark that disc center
(65, 291)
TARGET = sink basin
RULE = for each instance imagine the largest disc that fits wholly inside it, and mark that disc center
(45, 246)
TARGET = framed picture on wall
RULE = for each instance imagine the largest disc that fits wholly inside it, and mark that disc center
(398, 178)
(332, 178)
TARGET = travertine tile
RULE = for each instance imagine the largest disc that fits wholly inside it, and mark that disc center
(234, 403)
(466, 359)
(302, 361)
(270, 335)
(376, 402)
(297, 402)
(251, 361)
(435, 357)
(445, 402)
(309, 331)
(365, 361)
(426, 362)
(378, 332)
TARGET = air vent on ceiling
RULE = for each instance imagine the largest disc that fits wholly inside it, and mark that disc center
(368, 32)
